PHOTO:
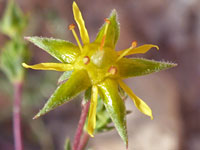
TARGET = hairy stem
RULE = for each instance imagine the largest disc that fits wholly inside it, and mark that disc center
(16, 116)
(81, 123)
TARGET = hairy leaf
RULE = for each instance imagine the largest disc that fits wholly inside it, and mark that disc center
(63, 51)
(139, 66)
(115, 106)
(67, 91)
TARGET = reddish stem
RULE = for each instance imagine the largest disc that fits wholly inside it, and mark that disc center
(84, 141)
(81, 123)
(16, 116)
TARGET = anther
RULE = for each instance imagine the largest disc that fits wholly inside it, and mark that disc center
(112, 70)
(107, 21)
(133, 45)
(105, 32)
(71, 27)
(86, 60)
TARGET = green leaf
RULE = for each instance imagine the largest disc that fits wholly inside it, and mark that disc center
(14, 21)
(64, 76)
(63, 51)
(78, 82)
(13, 54)
(114, 106)
(112, 33)
(67, 144)
(139, 66)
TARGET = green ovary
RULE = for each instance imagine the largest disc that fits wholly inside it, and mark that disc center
(99, 62)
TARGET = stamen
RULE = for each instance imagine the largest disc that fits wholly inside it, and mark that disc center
(133, 45)
(105, 32)
(86, 60)
(71, 27)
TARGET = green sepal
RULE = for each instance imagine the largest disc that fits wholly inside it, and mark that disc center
(14, 21)
(112, 32)
(78, 82)
(67, 144)
(64, 76)
(63, 51)
(115, 106)
(140, 66)
(13, 54)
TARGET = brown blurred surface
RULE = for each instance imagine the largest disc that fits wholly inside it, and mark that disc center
(173, 95)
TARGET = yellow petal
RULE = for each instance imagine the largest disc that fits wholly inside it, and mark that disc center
(50, 66)
(140, 104)
(81, 24)
(138, 50)
(92, 113)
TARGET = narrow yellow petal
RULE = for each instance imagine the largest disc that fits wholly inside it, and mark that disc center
(81, 24)
(138, 50)
(50, 66)
(92, 113)
(140, 104)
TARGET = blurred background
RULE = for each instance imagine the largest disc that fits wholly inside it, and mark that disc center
(173, 95)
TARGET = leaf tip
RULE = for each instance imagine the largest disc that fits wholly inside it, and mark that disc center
(35, 117)
(171, 65)
(114, 12)
(27, 38)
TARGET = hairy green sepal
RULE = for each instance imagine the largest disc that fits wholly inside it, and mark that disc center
(140, 66)
(114, 106)
(63, 51)
(78, 82)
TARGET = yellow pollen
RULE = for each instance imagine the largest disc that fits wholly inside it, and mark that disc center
(71, 27)
(112, 70)
(105, 32)
(86, 60)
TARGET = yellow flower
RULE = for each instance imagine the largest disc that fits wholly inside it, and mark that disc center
(98, 66)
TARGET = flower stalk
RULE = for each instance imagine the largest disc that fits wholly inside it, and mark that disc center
(16, 116)
(77, 138)
(84, 141)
